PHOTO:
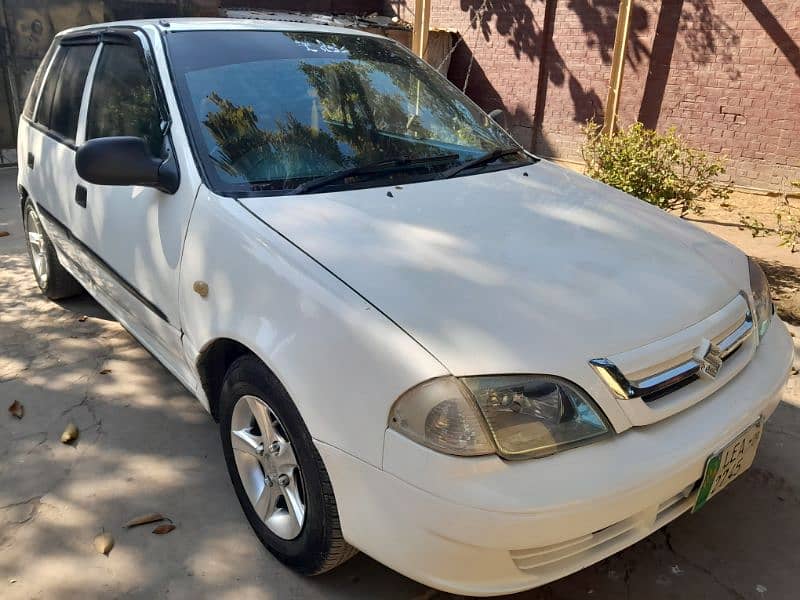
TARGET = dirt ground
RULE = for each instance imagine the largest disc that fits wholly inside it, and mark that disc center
(146, 445)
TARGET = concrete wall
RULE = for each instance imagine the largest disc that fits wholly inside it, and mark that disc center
(726, 73)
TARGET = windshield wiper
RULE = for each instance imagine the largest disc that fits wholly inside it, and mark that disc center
(369, 169)
(483, 159)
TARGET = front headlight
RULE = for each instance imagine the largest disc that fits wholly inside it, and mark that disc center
(762, 301)
(516, 416)
(440, 415)
(535, 415)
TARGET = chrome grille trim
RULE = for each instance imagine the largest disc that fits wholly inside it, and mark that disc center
(675, 376)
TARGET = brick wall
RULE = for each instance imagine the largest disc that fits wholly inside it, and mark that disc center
(726, 73)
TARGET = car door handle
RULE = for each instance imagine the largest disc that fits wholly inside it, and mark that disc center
(30, 160)
(80, 196)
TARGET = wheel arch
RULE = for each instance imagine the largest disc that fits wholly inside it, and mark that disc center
(23, 196)
(213, 363)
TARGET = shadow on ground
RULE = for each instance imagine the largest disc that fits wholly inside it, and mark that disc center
(784, 282)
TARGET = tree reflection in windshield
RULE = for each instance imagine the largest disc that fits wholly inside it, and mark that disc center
(243, 148)
(290, 107)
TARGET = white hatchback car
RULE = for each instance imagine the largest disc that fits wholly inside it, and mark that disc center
(419, 340)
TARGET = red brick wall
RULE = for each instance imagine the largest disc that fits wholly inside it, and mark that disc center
(740, 94)
(726, 73)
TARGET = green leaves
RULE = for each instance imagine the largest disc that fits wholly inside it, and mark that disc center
(656, 167)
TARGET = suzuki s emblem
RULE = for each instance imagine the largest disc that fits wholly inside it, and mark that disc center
(709, 356)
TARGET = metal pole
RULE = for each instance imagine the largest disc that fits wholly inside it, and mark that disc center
(617, 66)
(422, 25)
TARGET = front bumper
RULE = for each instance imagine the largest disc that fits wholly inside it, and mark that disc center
(483, 526)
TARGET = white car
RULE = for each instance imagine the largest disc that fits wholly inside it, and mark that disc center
(419, 340)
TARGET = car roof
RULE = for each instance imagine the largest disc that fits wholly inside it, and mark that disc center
(293, 23)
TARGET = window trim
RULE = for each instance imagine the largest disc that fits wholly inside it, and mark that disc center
(194, 150)
(80, 134)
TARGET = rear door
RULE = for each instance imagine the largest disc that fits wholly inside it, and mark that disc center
(27, 134)
(134, 235)
(50, 150)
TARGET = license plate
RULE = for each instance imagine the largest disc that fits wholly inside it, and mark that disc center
(727, 464)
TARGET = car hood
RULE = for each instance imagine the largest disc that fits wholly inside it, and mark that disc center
(534, 269)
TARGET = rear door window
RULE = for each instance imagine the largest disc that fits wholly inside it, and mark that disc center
(36, 85)
(49, 89)
(67, 102)
(61, 101)
(123, 101)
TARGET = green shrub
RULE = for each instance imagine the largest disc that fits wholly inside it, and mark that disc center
(656, 167)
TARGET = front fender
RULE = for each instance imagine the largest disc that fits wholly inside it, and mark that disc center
(340, 359)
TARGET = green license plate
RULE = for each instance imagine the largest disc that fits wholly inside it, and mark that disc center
(727, 464)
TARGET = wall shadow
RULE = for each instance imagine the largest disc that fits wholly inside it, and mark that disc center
(530, 35)
(669, 18)
(775, 31)
(528, 38)
(708, 36)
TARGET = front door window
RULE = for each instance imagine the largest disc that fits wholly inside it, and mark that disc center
(123, 101)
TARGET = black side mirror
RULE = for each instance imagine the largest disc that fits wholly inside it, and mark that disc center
(125, 161)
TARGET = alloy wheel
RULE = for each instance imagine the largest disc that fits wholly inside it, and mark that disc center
(37, 248)
(267, 467)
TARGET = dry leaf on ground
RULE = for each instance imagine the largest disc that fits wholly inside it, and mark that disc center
(70, 434)
(144, 520)
(16, 409)
(163, 529)
(105, 371)
(103, 543)
(4, 234)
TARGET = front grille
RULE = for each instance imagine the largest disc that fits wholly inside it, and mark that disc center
(671, 376)
(653, 396)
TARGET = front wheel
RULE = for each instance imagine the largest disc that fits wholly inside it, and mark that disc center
(277, 473)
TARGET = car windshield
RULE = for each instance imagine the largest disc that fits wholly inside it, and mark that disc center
(272, 110)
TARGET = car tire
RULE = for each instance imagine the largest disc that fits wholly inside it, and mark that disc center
(317, 545)
(51, 277)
